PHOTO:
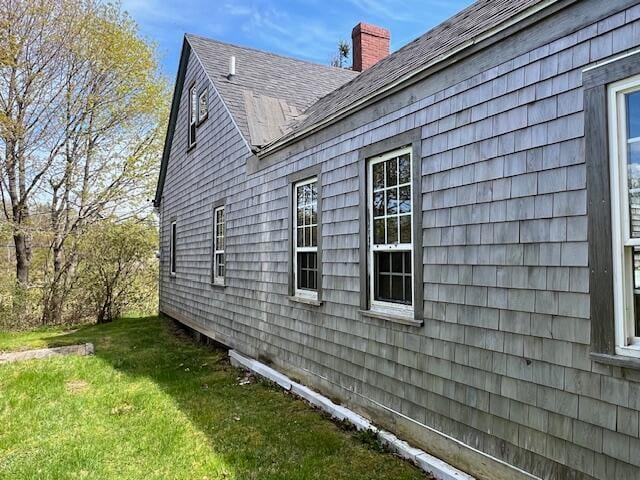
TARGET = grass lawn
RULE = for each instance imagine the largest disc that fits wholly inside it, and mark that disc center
(152, 404)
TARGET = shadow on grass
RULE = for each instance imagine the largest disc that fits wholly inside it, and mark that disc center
(259, 431)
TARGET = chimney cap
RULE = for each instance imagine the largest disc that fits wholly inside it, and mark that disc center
(370, 29)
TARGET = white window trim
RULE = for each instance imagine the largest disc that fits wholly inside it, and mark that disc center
(173, 233)
(193, 119)
(301, 292)
(203, 93)
(217, 279)
(626, 344)
(377, 305)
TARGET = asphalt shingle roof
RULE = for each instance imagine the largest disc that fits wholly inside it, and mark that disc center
(460, 30)
(268, 90)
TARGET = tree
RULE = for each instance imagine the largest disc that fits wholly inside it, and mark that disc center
(118, 267)
(32, 37)
(82, 112)
(341, 56)
(114, 108)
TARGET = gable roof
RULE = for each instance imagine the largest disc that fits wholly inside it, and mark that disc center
(481, 20)
(268, 90)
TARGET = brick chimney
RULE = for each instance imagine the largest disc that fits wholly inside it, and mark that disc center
(370, 44)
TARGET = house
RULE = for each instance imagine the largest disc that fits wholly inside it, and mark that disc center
(448, 241)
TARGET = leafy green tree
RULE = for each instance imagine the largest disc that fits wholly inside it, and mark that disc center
(118, 269)
(115, 105)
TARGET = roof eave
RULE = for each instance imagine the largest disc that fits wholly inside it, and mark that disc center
(173, 116)
(535, 13)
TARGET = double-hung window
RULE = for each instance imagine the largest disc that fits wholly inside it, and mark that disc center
(218, 261)
(172, 248)
(624, 131)
(390, 239)
(203, 106)
(305, 238)
(193, 115)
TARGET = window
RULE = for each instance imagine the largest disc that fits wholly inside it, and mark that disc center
(172, 249)
(390, 217)
(305, 238)
(218, 263)
(203, 106)
(624, 117)
(193, 115)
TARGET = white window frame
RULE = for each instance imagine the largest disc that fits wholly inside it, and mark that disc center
(301, 292)
(377, 305)
(193, 115)
(218, 279)
(173, 234)
(622, 243)
(203, 94)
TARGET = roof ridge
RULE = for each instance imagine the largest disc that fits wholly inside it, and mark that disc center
(271, 54)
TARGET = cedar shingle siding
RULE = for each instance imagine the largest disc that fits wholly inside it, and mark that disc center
(502, 361)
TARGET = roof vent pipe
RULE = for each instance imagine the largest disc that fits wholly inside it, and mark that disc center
(232, 67)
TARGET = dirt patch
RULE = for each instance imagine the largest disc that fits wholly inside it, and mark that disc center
(76, 386)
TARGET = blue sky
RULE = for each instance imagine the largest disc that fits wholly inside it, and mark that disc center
(306, 29)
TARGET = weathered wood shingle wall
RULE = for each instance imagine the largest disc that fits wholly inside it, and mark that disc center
(502, 361)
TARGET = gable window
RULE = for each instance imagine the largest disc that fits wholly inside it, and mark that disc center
(193, 115)
(203, 106)
(305, 241)
(390, 239)
(172, 248)
(624, 119)
(218, 261)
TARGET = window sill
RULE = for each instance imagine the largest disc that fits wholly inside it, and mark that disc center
(306, 301)
(402, 319)
(191, 147)
(616, 360)
(218, 285)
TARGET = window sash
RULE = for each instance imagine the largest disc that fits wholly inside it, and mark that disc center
(627, 341)
(299, 291)
(379, 305)
(193, 115)
(172, 248)
(218, 259)
(203, 105)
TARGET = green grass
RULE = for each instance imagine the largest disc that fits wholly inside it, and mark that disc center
(152, 404)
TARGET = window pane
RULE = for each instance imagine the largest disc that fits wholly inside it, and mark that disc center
(392, 172)
(633, 114)
(300, 217)
(378, 176)
(392, 276)
(378, 231)
(405, 169)
(314, 192)
(405, 229)
(300, 236)
(307, 216)
(194, 105)
(633, 176)
(405, 199)
(392, 230)
(392, 201)
(173, 247)
(202, 106)
(314, 236)
(307, 237)
(300, 196)
(378, 204)
(307, 271)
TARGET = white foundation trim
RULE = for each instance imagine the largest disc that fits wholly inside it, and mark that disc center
(430, 464)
